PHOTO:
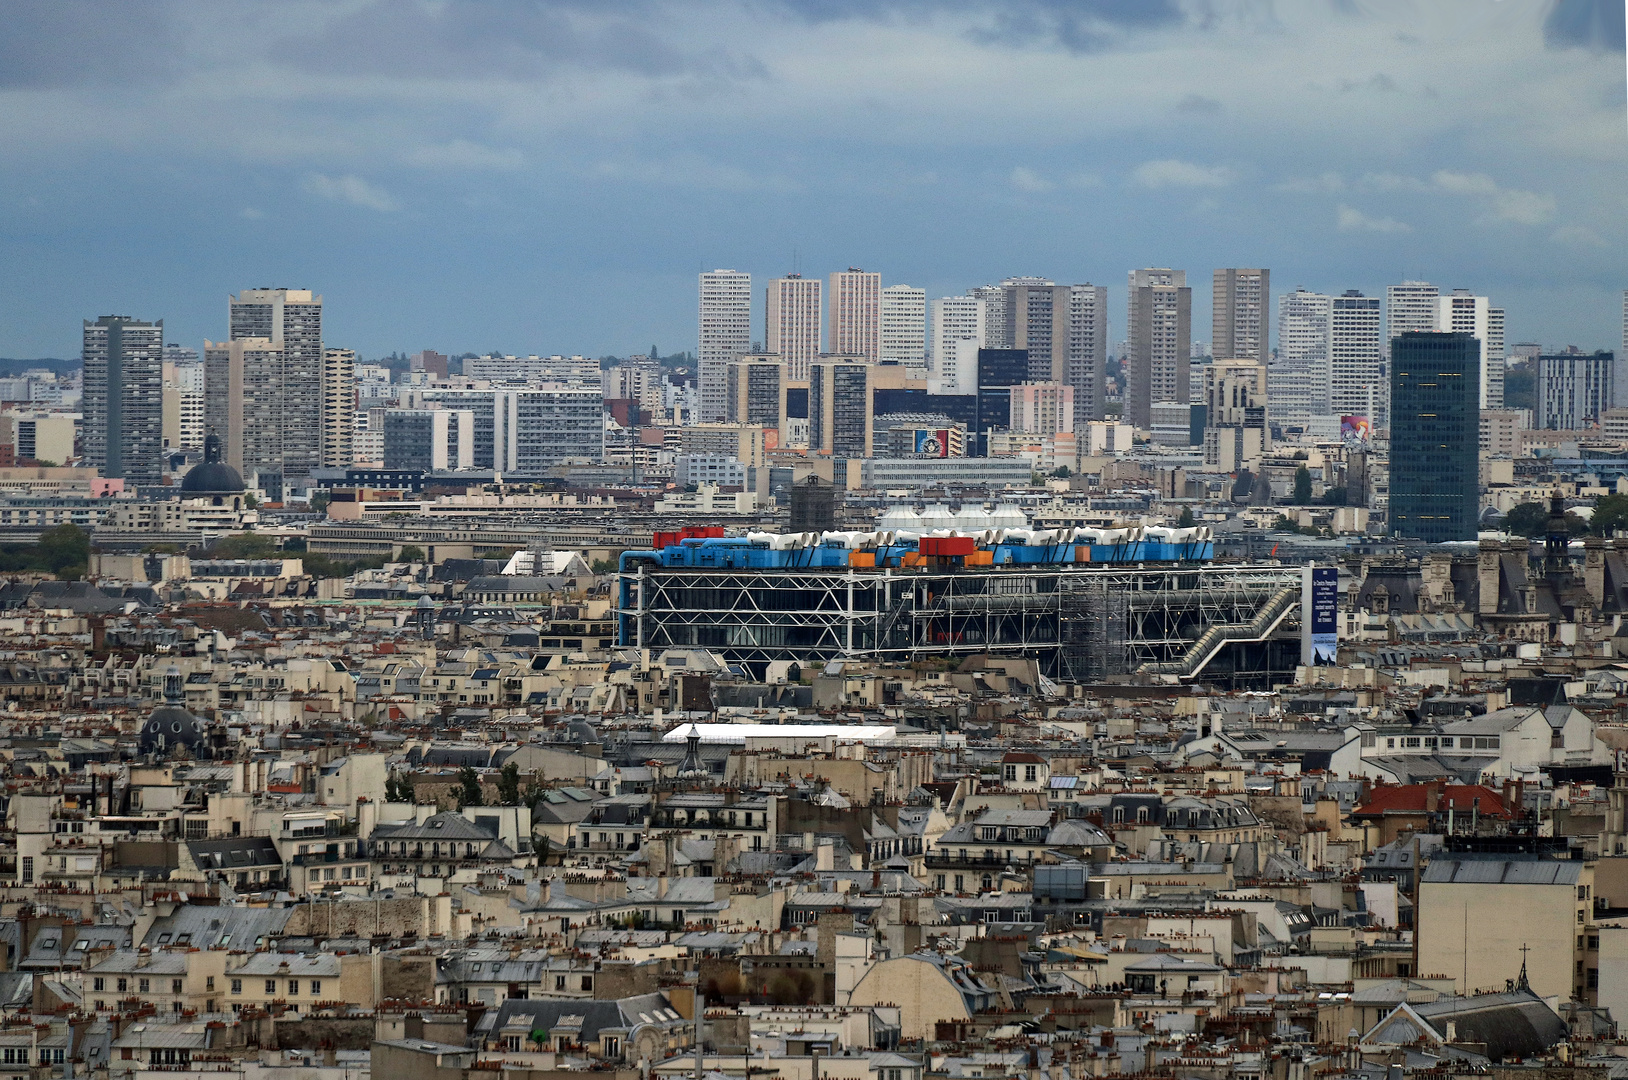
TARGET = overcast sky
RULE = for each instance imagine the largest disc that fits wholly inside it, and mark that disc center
(550, 176)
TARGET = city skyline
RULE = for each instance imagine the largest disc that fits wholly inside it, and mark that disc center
(1479, 147)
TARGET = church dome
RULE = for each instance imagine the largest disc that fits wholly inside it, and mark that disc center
(214, 476)
(171, 725)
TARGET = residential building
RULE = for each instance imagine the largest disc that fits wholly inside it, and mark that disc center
(724, 473)
(757, 392)
(1037, 312)
(1042, 408)
(1356, 366)
(291, 319)
(955, 318)
(339, 405)
(435, 440)
(1573, 390)
(1435, 434)
(1160, 334)
(1241, 315)
(124, 398)
(38, 436)
(533, 369)
(1088, 350)
(904, 327)
(725, 332)
(1484, 922)
(854, 309)
(840, 411)
(996, 332)
(792, 323)
(1410, 307)
(243, 390)
(1299, 377)
(1462, 313)
(1236, 434)
(1501, 432)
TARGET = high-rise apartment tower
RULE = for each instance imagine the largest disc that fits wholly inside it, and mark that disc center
(1159, 333)
(124, 398)
(725, 332)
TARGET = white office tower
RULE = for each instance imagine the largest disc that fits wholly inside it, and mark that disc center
(1356, 386)
(291, 321)
(338, 407)
(1462, 313)
(957, 318)
(1298, 381)
(1410, 306)
(904, 327)
(854, 309)
(1160, 328)
(792, 322)
(725, 333)
(1087, 351)
(955, 369)
(997, 334)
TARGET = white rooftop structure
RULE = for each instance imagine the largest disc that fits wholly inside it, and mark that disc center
(737, 734)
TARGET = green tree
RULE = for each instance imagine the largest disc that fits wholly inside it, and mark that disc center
(397, 790)
(410, 553)
(65, 551)
(1527, 519)
(1610, 515)
(468, 787)
(604, 566)
(1186, 519)
(244, 546)
(1334, 496)
(508, 785)
(1302, 486)
(251, 501)
(320, 501)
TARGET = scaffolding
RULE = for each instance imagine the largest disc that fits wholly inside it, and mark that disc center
(1083, 623)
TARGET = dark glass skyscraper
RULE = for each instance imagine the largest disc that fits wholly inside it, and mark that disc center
(1435, 436)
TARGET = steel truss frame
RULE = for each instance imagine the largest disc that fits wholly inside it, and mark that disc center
(1082, 623)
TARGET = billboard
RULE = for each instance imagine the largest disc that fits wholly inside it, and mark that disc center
(1319, 615)
(1355, 428)
(932, 442)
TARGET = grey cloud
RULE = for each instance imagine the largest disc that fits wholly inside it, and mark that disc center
(1197, 103)
(1591, 24)
(1080, 26)
(507, 39)
(46, 43)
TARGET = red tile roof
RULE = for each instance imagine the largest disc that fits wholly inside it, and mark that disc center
(1414, 799)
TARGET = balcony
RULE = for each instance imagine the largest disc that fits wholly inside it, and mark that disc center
(317, 858)
(942, 860)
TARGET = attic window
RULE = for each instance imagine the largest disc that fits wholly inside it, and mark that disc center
(436, 824)
(184, 939)
(82, 944)
(164, 939)
(49, 943)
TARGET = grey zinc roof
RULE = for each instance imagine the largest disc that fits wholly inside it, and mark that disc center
(1502, 871)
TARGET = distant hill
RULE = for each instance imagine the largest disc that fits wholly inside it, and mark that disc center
(10, 366)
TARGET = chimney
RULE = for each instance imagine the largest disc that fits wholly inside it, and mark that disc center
(1433, 796)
